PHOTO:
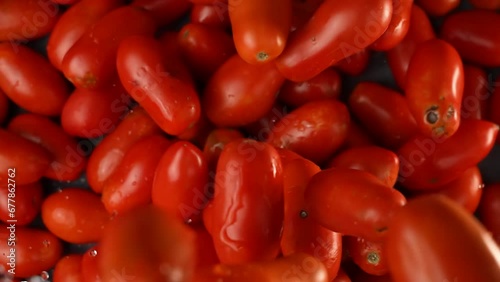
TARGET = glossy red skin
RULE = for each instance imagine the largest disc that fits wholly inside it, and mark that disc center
(68, 269)
(198, 134)
(438, 8)
(205, 250)
(131, 183)
(341, 277)
(147, 245)
(474, 35)
(171, 101)
(259, 32)
(73, 24)
(356, 137)
(236, 87)
(90, 265)
(75, 215)
(69, 160)
(320, 122)
(302, 11)
(489, 208)
(361, 251)
(420, 30)
(363, 205)
(355, 64)
(247, 210)
(23, 20)
(327, 39)
(35, 250)
(476, 93)
(180, 185)
(4, 107)
(216, 140)
(380, 162)
(213, 15)
(485, 4)
(261, 129)
(163, 12)
(400, 23)
(28, 202)
(91, 62)
(296, 267)
(427, 163)
(326, 85)
(29, 160)
(466, 190)
(172, 57)
(106, 157)
(23, 82)
(438, 257)
(93, 113)
(205, 48)
(435, 83)
(304, 234)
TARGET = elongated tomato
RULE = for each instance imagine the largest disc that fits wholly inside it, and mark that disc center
(400, 23)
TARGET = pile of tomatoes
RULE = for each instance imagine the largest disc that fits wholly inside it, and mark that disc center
(228, 147)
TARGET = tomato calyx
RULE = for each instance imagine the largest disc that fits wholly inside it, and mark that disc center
(262, 56)
(373, 258)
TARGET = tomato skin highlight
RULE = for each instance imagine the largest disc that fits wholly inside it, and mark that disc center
(309, 49)
(398, 27)
(445, 226)
(212, 15)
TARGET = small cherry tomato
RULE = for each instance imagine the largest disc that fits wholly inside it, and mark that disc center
(30, 250)
(215, 143)
(355, 64)
(400, 23)
(69, 160)
(489, 209)
(41, 92)
(164, 12)
(438, 7)
(4, 107)
(326, 85)
(75, 215)
(434, 88)
(427, 163)
(368, 255)
(476, 93)
(486, 4)
(146, 244)
(68, 269)
(452, 244)
(131, 183)
(22, 160)
(214, 15)
(109, 153)
(363, 206)
(380, 162)
(236, 87)
(90, 265)
(28, 201)
(247, 210)
(319, 122)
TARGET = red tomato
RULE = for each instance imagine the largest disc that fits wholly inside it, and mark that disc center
(474, 35)
(205, 48)
(355, 64)
(438, 7)
(172, 57)
(427, 163)
(205, 250)
(302, 11)
(23, 20)
(90, 265)
(476, 93)
(320, 122)
(296, 267)
(73, 24)
(30, 252)
(68, 269)
(109, 153)
(164, 12)
(22, 160)
(147, 245)
(363, 205)
(326, 85)
(69, 159)
(450, 244)
(341, 277)
(356, 137)
(93, 113)
(171, 101)
(91, 62)
(28, 201)
(180, 185)
(214, 15)
(4, 107)
(232, 93)
(131, 183)
(368, 255)
(493, 114)
(215, 143)
(247, 211)
(398, 58)
(75, 215)
(260, 28)
(489, 209)
(485, 4)
(41, 92)
(400, 23)
(378, 161)
(261, 129)
(434, 88)
(301, 233)
(335, 31)
(198, 134)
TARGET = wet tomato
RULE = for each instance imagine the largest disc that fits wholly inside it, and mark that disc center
(398, 27)
(90, 265)
(211, 15)
(68, 269)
